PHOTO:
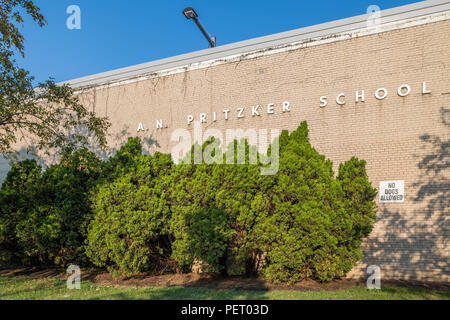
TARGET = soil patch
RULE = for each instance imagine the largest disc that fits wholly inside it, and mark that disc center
(194, 280)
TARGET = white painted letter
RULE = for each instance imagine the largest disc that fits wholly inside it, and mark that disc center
(286, 107)
(270, 107)
(377, 93)
(424, 88)
(190, 118)
(226, 114)
(255, 111)
(401, 88)
(361, 96)
(323, 101)
(140, 127)
(240, 112)
(338, 99)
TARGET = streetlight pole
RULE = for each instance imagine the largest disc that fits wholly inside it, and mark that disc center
(190, 13)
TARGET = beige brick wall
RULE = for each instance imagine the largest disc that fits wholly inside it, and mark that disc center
(410, 240)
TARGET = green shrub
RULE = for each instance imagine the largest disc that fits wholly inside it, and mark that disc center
(129, 233)
(241, 196)
(136, 213)
(358, 195)
(123, 161)
(310, 231)
(233, 190)
(205, 239)
(16, 196)
(55, 224)
(44, 216)
(191, 190)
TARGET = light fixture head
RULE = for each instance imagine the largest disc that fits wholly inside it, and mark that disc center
(190, 13)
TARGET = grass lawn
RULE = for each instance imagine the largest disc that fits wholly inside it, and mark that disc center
(26, 289)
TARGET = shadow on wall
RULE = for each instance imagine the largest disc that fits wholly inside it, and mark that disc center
(149, 144)
(20, 155)
(416, 246)
(4, 168)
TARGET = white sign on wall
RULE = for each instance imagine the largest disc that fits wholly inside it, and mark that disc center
(392, 191)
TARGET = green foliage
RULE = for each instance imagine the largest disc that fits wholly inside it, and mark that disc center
(231, 189)
(137, 213)
(192, 190)
(358, 195)
(16, 195)
(11, 19)
(124, 160)
(204, 239)
(52, 219)
(308, 232)
(241, 196)
(129, 233)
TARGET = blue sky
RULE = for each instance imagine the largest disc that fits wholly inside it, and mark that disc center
(117, 34)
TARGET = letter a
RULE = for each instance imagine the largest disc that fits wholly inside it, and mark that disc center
(74, 21)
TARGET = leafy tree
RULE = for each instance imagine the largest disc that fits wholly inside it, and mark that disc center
(10, 14)
(47, 118)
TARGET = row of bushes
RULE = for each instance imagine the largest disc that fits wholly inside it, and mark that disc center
(136, 212)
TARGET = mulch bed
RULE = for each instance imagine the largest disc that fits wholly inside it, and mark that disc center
(193, 280)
